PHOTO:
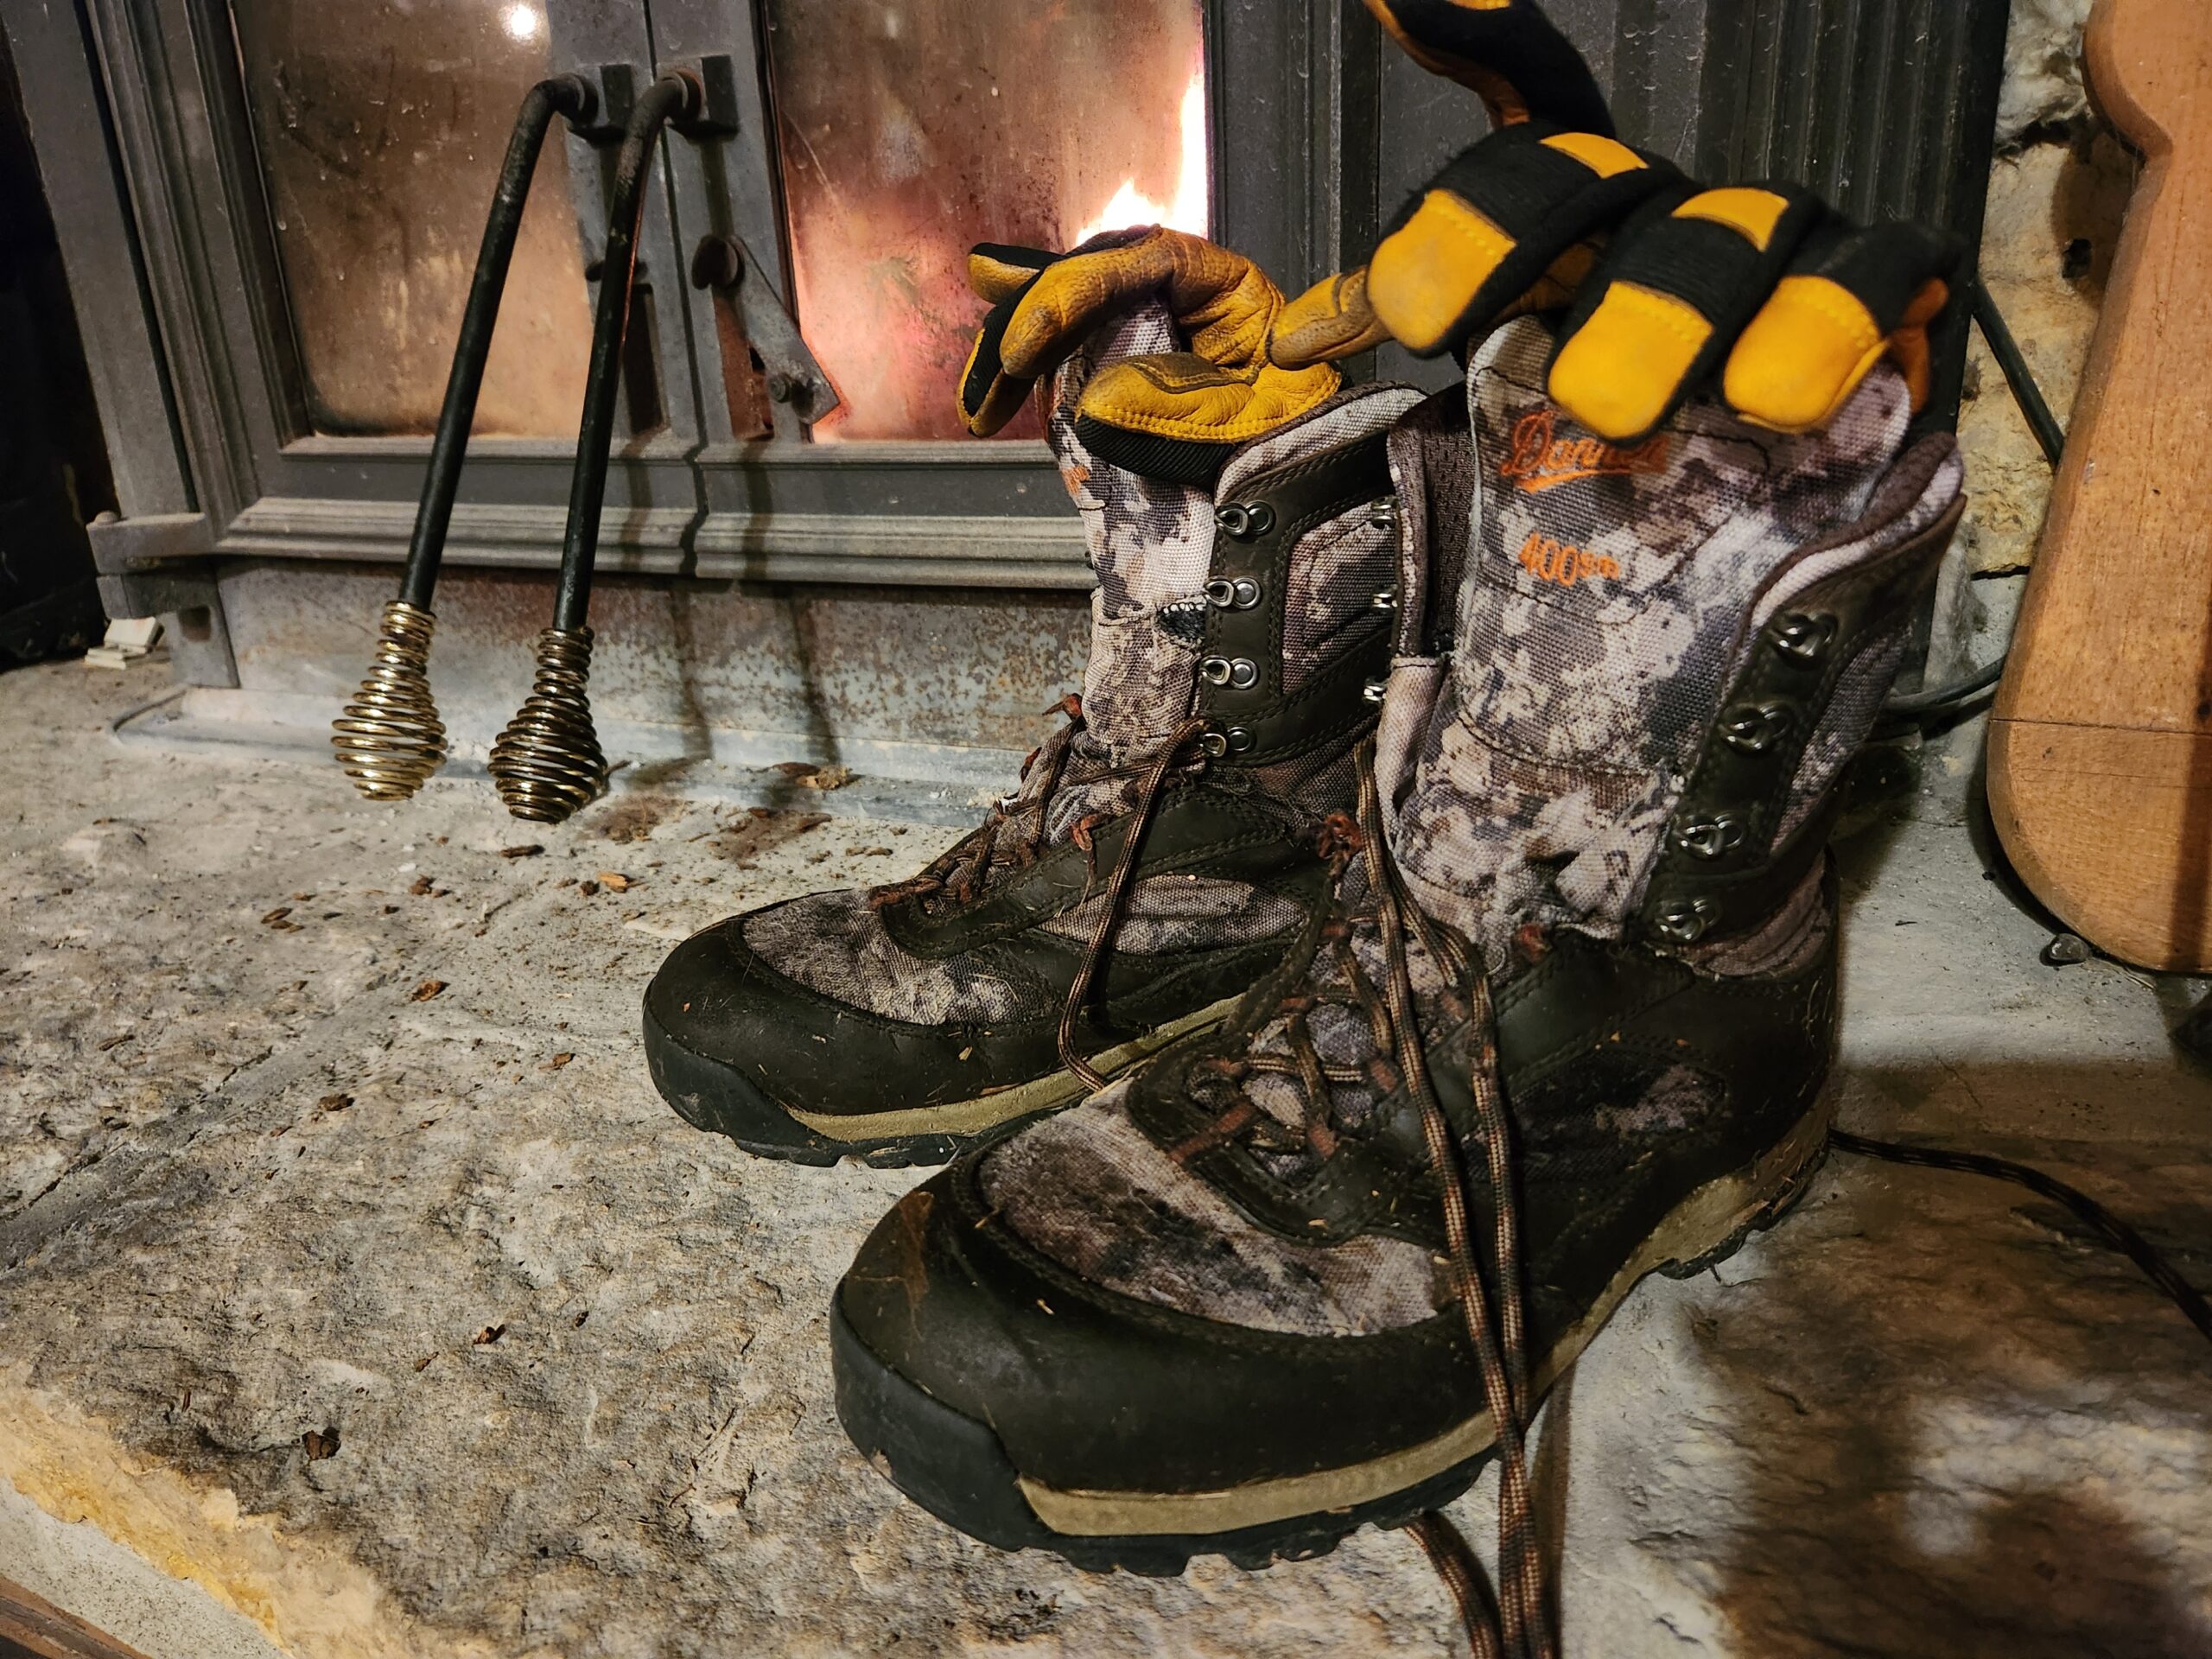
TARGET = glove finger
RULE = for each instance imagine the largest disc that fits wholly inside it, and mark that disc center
(999, 271)
(989, 397)
(1673, 293)
(1507, 51)
(1850, 297)
(1046, 305)
(1487, 228)
(1331, 321)
(1221, 299)
(1165, 415)
(1047, 309)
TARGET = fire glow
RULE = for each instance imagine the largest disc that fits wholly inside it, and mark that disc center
(1187, 212)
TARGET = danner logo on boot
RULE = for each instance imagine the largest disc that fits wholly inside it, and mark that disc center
(1548, 560)
(1541, 459)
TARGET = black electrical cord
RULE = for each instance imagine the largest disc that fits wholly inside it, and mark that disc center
(1943, 697)
(670, 97)
(569, 96)
(2048, 436)
(2114, 1232)
(2017, 375)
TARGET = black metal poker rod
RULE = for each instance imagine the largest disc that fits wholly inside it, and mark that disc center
(547, 762)
(390, 738)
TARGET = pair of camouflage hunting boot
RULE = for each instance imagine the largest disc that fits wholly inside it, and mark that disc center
(1422, 929)
(1445, 820)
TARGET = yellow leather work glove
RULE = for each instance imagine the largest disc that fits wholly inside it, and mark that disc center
(1239, 379)
(1765, 287)
(1222, 392)
(1666, 286)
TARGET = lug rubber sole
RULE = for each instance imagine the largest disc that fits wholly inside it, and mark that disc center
(957, 1469)
(711, 1095)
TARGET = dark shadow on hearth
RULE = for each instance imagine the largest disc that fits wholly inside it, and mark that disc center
(1839, 1380)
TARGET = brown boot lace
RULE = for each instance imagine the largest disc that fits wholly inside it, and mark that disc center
(1013, 833)
(1008, 836)
(1518, 1624)
(1171, 757)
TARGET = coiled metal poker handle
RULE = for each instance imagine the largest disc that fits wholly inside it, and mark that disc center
(390, 739)
(548, 763)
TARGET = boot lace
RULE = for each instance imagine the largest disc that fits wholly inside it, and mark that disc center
(1014, 835)
(1516, 1624)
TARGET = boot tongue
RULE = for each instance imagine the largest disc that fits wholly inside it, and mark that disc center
(1150, 542)
(1608, 590)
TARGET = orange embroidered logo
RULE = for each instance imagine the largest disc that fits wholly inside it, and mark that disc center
(1561, 562)
(1542, 460)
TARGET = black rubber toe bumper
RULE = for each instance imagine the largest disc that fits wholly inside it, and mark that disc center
(977, 1374)
(733, 1047)
(787, 1072)
(714, 1094)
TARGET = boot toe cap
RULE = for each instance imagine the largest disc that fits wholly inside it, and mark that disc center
(1083, 1390)
(739, 1042)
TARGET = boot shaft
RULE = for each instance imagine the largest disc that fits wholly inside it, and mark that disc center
(1661, 657)
(1240, 603)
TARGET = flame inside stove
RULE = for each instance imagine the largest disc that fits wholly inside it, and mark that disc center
(1187, 211)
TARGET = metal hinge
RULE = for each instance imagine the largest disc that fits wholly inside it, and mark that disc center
(794, 378)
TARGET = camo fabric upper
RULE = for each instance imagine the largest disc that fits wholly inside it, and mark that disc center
(1914, 494)
(1353, 558)
(835, 943)
(1611, 598)
(1090, 1190)
(1093, 1191)
(1151, 544)
(1608, 600)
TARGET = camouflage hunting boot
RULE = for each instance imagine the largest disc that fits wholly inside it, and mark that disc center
(1566, 1021)
(1159, 855)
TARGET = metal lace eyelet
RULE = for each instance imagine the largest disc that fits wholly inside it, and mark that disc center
(1687, 920)
(1803, 638)
(1240, 741)
(1243, 521)
(1710, 838)
(1375, 691)
(1243, 674)
(1382, 514)
(1755, 727)
(1214, 745)
(1223, 595)
(1214, 670)
(1386, 598)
